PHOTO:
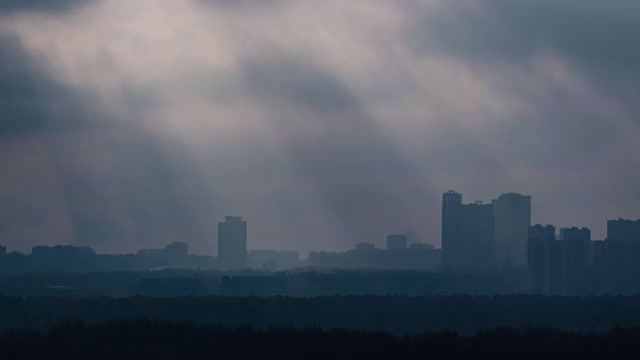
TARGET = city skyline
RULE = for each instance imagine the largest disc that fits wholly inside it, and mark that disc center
(490, 242)
(408, 237)
(380, 240)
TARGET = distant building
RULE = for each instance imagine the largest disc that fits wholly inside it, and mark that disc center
(468, 234)
(3, 250)
(543, 259)
(421, 246)
(176, 252)
(288, 259)
(512, 220)
(622, 230)
(396, 242)
(272, 259)
(232, 243)
(560, 266)
(621, 256)
(452, 245)
(576, 257)
(62, 258)
(260, 259)
(365, 246)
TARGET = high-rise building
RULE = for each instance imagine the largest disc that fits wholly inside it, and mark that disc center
(622, 230)
(512, 220)
(560, 266)
(576, 257)
(232, 243)
(543, 259)
(396, 242)
(468, 234)
(451, 245)
(622, 255)
(365, 246)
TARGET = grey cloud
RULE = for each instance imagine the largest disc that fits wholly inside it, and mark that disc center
(589, 30)
(42, 6)
(599, 39)
(28, 96)
(130, 188)
(243, 5)
(121, 187)
(297, 81)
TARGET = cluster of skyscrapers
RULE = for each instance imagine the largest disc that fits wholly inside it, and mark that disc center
(479, 237)
(570, 262)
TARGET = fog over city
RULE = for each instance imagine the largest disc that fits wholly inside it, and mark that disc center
(132, 124)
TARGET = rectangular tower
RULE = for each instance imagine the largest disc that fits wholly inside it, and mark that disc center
(450, 238)
(232, 243)
(513, 218)
(575, 258)
(543, 261)
(396, 242)
(468, 234)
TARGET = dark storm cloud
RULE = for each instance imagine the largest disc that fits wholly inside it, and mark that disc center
(597, 41)
(259, 114)
(590, 30)
(297, 81)
(30, 100)
(121, 187)
(601, 39)
(40, 6)
(328, 128)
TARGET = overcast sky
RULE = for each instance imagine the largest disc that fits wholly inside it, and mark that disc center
(128, 124)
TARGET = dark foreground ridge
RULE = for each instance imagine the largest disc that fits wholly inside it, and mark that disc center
(160, 340)
(393, 314)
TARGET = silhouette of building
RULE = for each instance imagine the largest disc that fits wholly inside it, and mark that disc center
(576, 258)
(452, 246)
(468, 234)
(623, 230)
(366, 256)
(396, 242)
(273, 259)
(365, 246)
(62, 258)
(232, 243)
(543, 259)
(3, 250)
(512, 220)
(421, 246)
(177, 253)
(620, 258)
(560, 266)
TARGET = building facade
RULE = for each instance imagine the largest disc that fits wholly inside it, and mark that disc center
(468, 234)
(232, 243)
(512, 220)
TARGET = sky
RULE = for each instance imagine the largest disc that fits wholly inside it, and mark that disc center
(131, 124)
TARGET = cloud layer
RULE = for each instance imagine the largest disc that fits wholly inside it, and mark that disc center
(130, 124)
